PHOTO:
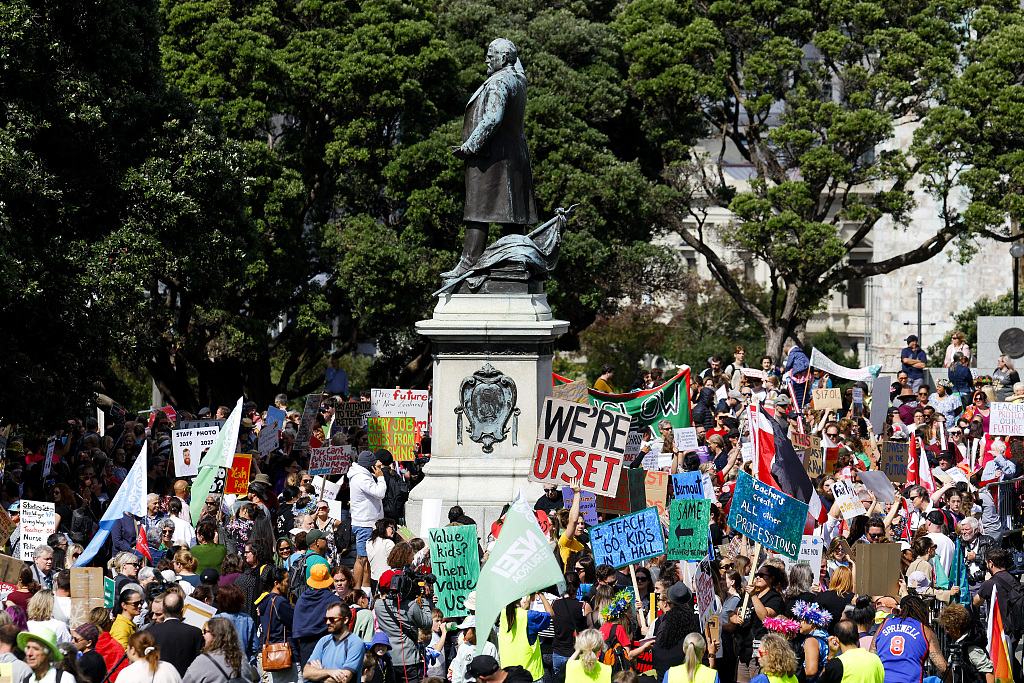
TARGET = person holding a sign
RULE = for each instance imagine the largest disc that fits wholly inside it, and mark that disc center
(569, 546)
(766, 601)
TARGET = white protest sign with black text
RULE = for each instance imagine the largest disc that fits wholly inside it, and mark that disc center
(849, 503)
(188, 446)
(38, 521)
(1007, 419)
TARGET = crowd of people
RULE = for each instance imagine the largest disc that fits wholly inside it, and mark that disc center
(298, 593)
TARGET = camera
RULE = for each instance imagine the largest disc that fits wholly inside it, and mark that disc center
(410, 585)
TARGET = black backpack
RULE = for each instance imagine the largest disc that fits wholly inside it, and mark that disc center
(81, 526)
(1015, 609)
(297, 575)
(395, 496)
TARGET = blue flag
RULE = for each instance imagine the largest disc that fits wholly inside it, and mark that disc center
(131, 497)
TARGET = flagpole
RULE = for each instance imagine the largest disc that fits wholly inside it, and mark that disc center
(750, 579)
(639, 605)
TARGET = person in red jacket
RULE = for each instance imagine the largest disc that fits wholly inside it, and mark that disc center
(113, 654)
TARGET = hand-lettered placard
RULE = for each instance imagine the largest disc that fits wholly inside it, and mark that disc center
(686, 438)
(828, 399)
(588, 504)
(397, 434)
(351, 413)
(38, 521)
(689, 521)
(767, 515)
(811, 548)
(455, 562)
(688, 485)
(814, 459)
(893, 462)
(330, 460)
(1007, 419)
(237, 483)
(849, 504)
(579, 440)
(628, 539)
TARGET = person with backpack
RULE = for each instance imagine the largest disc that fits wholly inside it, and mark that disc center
(310, 611)
(618, 621)
(972, 660)
(585, 665)
(222, 659)
(1011, 601)
(519, 635)
(397, 492)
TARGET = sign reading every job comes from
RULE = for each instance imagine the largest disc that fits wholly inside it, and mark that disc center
(767, 516)
(628, 539)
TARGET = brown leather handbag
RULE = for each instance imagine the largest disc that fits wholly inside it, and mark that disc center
(276, 656)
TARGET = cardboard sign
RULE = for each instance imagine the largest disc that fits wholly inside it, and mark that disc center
(878, 569)
(814, 458)
(7, 526)
(455, 562)
(656, 485)
(351, 413)
(878, 484)
(430, 515)
(200, 424)
(397, 434)
(767, 516)
(10, 569)
(628, 539)
(893, 461)
(879, 402)
(1007, 419)
(828, 399)
(579, 440)
(38, 521)
(188, 447)
(237, 483)
(402, 403)
(686, 438)
(619, 503)
(306, 423)
(588, 504)
(849, 504)
(197, 613)
(811, 548)
(330, 460)
(704, 587)
(688, 485)
(689, 522)
(87, 593)
(573, 391)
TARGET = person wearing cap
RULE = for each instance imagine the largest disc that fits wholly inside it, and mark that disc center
(945, 550)
(309, 624)
(915, 360)
(90, 662)
(367, 488)
(41, 653)
(669, 629)
(467, 651)
(316, 542)
(14, 512)
(337, 656)
(398, 616)
(485, 669)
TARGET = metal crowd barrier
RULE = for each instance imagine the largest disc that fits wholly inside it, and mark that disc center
(1011, 512)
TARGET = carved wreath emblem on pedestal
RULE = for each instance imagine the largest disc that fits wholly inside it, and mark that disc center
(487, 399)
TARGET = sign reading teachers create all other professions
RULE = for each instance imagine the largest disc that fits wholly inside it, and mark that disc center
(767, 516)
(397, 434)
(628, 539)
(688, 524)
(455, 562)
(893, 463)
(330, 460)
(38, 521)
(1007, 419)
(579, 440)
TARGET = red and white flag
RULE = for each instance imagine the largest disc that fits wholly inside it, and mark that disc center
(777, 464)
(918, 471)
(142, 544)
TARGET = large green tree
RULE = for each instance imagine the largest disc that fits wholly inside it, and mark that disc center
(810, 97)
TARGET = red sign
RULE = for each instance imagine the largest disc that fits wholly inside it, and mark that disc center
(237, 483)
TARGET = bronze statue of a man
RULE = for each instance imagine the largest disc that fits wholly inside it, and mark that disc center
(499, 182)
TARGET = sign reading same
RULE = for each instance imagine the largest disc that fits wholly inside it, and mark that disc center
(580, 440)
(767, 516)
(688, 524)
(628, 539)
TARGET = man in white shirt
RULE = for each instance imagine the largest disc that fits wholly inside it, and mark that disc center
(945, 551)
(62, 596)
(181, 490)
(920, 505)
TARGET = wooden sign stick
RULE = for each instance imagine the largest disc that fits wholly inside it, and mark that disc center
(639, 607)
(750, 579)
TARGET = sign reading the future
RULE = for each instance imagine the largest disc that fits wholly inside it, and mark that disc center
(767, 515)
(577, 440)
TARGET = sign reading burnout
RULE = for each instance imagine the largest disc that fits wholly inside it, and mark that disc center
(580, 440)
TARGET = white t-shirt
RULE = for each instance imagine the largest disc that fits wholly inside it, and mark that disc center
(944, 550)
(377, 552)
(59, 628)
(139, 673)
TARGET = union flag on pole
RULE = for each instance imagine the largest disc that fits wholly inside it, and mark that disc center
(142, 544)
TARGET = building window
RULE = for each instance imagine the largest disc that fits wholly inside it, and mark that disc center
(855, 289)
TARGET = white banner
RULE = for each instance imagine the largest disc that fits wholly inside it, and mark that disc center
(823, 362)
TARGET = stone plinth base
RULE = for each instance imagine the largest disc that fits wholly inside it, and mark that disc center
(504, 344)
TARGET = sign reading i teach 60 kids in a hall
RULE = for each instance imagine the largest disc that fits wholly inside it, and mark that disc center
(767, 516)
(628, 539)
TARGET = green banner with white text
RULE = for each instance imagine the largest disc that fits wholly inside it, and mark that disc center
(670, 401)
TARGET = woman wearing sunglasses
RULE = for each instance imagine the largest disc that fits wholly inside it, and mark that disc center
(765, 601)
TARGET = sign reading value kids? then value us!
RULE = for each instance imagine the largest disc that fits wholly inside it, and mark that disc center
(577, 440)
(767, 515)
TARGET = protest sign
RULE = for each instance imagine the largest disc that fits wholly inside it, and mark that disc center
(811, 548)
(330, 460)
(689, 522)
(270, 432)
(109, 592)
(628, 539)
(455, 562)
(849, 504)
(704, 587)
(688, 485)
(814, 460)
(751, 372)
(402, 403)
(351, 413)
(200, 424)
(197, 613)
(879, 402)
(188, 446)
(10, 569)
(878, 484)
(237, 483)
(306, 422)
(579, 440)
(328, 490)
(646, 408)
(656, 485)
(573, 391)
(1007, 419)
(397, 434)
(619, 503)
(747, 451)
(86, 593)
(893, 461)
(828, 399)
(767, 516)
(878, 569)
(634, 440)
(637, 489)
(686, 438)
(51, 446)
(858, 396)
(588, 504)
(430, 515)
(7, 526)
(823, 362)
(38, 521)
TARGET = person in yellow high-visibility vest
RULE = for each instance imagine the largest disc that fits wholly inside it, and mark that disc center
(692, 671)
(518, 628)
(585, 666)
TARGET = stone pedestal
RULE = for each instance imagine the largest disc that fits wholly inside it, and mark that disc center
(499, 341)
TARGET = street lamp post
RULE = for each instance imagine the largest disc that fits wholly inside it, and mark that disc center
(1016, 251)
(920, 281)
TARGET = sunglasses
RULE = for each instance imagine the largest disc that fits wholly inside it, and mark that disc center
(284, 549)
(580, 569)
(763, 576)
(134, 603)
(331, 620)
(727, 566)
(75, 555)
(746, 395)
(168, 532)
(133, 564)
(877, 535)
(211, 503)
